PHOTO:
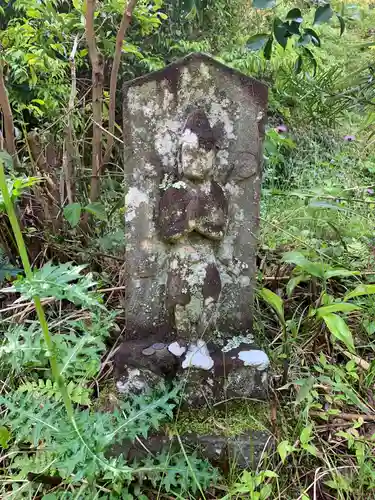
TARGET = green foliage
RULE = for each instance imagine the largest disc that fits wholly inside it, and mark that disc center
(292, 28)
(274, 301)
(50, 390)
(63, 282)
(31, 418)
(16, 186)
(339, 329)
(255, 485)
(72, 212)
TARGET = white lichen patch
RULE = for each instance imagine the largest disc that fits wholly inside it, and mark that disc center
(233, 189)
(180, 185)
(235, 342)
(133, 382)
(133, 199)
(255, 358)
(165, 145)
(189, 138)
(244, 280)
(176, 349)
(198, 357)
(219, 114)
(205, 71)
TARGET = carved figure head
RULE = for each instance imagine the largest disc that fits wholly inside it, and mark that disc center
(197, 147)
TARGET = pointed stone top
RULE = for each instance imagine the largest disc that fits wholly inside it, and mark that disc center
(171, 73)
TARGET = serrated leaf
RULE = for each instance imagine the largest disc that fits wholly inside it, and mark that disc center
(264, 4)
(257, 42)
(342, 24)
(359, 291)
(306, 387)
(332, 308)
(97, 209)
(339, 329)
(323, 14)
(72, 213)
(53, 281)
(273, 301)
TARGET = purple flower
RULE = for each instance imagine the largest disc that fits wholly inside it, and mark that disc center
(349, 138)
(370, 191)
(281, 129)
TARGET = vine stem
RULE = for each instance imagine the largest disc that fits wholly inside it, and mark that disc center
(38, 305)
(43, 321)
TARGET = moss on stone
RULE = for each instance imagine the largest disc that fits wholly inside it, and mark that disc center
(108, 397)
(229, 420)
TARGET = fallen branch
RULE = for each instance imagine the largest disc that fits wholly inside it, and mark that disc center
(362, 363)
(344, 416)
(125, 23)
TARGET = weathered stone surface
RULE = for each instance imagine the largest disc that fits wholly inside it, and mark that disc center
(139, 366)
(243, 451)
(223, 375)
(208, 374)
(192, 135)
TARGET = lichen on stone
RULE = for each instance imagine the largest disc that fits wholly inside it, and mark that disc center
(255, 358)
(133, 199)
(198, 357)
(235, 342)
(176, 349)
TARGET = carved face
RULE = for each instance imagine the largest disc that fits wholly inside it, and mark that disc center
(196, 161)
(197, 146)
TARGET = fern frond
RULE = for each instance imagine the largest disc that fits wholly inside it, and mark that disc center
(48, 389)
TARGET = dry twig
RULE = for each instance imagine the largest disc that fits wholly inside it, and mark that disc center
(68, 154)
(125, 23)
(97, 76)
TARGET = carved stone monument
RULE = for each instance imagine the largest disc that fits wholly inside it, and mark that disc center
(193, 152)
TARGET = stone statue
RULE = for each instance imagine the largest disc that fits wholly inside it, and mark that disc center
(193, 150)
(193, 215)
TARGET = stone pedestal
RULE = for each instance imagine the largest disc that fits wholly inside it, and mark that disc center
(193, 152)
